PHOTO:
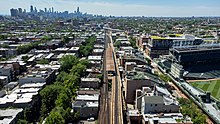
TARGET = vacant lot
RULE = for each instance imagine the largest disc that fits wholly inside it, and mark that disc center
(212, 86)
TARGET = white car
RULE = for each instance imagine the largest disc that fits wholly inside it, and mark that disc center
(91, 119)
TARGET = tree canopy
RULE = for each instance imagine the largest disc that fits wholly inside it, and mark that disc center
(67, 62)
(57, 97)
(87, 48)
(188, 108)
(49, 95)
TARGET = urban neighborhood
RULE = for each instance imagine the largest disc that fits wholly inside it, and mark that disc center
(72, 67)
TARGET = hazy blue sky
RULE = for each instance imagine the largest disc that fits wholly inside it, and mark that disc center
(122, 7)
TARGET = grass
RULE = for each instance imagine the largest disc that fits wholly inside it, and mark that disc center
(211, 86)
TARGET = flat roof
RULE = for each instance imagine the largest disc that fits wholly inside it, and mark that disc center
(74, 48)
(90, 79)
(196, 48)
(8, 115)
(154, 99)
(32, 85)
(94, 57)
(94, 97)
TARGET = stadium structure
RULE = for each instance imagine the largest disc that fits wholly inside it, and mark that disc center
(193, 62)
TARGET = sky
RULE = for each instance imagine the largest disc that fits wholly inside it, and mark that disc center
(155, 8)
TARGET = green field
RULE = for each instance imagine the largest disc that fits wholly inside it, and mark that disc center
(212, 86)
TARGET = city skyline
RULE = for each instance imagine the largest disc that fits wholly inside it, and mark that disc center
(122, 8)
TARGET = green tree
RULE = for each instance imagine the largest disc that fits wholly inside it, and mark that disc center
(43, 61)
(79, 69)
(165, 78)
(23, 49)
(55, 118)
(20, 121)
(25, 58)
(133, 42)
(67, 62)
(188, 108)
(3, 37)
(87, 48)
(62, 76)
(64, 99)
(49, 95)
(65, 39)
(5, 45)
(84, 62)
(117, 44)
(72, 82)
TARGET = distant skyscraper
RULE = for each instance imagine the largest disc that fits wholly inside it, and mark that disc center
(45, 9)
(20, 10)
(35, 9)
(14, 12)
(31, 9)
(77, 10)
(52, 10)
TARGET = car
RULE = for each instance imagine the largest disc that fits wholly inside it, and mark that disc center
(91, 119)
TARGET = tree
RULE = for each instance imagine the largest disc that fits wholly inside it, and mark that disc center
(65, 39)
(133, 42)
(20, 121)
(58, 113)
(117, 44)
(148, 61)
(64, 99)
(25, 58)
(67, 62)
(79, 69)
(43, 61)
(72, 82)
(188, 108)
(5, 45)
(55, 118)
(49, 95)
(86, 49)
(62, 77)
(3, 37)
(23, 49)
(84, 62)
(165, 78)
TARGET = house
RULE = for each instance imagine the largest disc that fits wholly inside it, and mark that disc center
(35, 75)
(86, 105)
(6, 52)
(156, 106)
(90, 83)
(7, 70)
(24, 96)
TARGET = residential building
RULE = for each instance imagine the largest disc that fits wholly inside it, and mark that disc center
(90, 83)
(7, 70)
(86, 105)
(35, 75)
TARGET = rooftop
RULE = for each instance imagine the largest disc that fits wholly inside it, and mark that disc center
(7, 115)
(208, 47)
(90, 79)
(153, 99)
(94, 97)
